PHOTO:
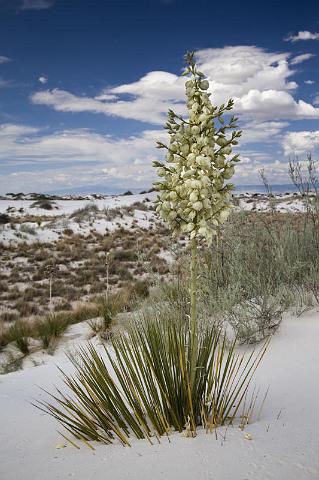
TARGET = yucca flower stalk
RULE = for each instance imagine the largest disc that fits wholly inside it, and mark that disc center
(193, 196)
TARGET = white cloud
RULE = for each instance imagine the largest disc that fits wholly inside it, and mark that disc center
(301, 58)
(302, 35)
(309, 82)
(36, 4)
(20, 143)
(4, 59)
(269, 132)
(42, 161)
(300, 142)
(9, 131)
(75, 157)
(43, 79)
(149, 106)
(258, 80)
(274, 104)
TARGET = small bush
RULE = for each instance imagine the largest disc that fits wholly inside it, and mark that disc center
(82, 313)
(9, 317)
(4, 338)
(125, 255)
(27, 229)
(4, 218)
(43, 204)
(51, 328)
(20, 333)
(86, 213)
(140, 288)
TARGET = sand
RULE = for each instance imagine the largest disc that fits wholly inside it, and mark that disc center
(284, 442)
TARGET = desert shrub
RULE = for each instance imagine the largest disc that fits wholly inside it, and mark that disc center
(4, 338)
(109, 306)
(82, 313)
(44, 204)
(125, 255)
(26, 308)
(248, 279)
(68, 231)
(4, 286)
(85, 213)
(50, 328)
(9, 316)
(25, 228)
(63, 305)
(12, 364)
(4, 218)
(140, 289)
(123, 272)
(13, 293)
(20, 333)
(139, 206)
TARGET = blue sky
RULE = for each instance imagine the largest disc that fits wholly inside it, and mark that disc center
(85, 85)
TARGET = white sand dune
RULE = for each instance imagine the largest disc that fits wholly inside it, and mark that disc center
(284, 441)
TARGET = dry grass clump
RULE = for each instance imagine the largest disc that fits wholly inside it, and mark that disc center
(8, 317)
(44, 204)
(19, 333)
(86, 213)
(4, 340)
(50, 328)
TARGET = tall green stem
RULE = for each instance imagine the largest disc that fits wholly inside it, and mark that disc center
(193, 319)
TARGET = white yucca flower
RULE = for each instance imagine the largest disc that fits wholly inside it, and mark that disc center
(193, 196)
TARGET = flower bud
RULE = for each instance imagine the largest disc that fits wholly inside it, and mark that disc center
(222, 141)
(197, 206)
(229, 172)
(204, 85)
(193, 196)
(226, 150)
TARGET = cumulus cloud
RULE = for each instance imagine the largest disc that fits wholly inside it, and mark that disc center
(151, 97)
(274, 103)
(301, 58)
(309, 82)
(36, 4)
(300, 142)
(4, 59)
(302, 35)
(43, 79)
(258, 80)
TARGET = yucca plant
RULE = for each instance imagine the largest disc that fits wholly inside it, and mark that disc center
(159, 375)
(142, 384)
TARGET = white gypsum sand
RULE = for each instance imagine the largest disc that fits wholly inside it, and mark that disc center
(283, 443)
